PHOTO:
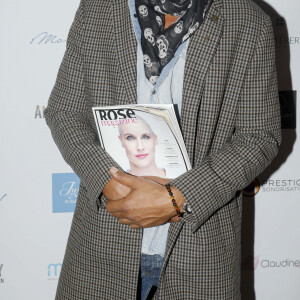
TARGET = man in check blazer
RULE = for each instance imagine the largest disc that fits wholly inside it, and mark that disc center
(230, 121)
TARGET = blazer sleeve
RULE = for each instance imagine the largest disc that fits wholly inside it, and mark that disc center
(255, 142)
(66, 115)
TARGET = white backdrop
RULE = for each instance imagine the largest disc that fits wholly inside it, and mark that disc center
(38, 189)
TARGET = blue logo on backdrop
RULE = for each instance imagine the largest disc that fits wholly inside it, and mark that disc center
(54, 271)
(46, 38)
(65, 188)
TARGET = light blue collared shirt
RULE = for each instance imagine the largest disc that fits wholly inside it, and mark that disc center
(167, 90)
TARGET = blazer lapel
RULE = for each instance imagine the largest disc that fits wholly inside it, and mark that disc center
(126, 46)
(203, 45)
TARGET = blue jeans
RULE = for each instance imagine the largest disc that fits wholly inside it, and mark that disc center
(150, 272)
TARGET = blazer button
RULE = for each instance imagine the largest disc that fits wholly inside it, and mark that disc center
(214, 18)
(153, 92)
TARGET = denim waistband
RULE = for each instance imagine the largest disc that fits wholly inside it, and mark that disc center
(151, 265)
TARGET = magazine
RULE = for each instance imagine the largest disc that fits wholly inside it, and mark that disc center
(145, 140)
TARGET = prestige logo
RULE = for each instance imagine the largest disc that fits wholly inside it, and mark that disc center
(46, 38)
(1, 278)
(280, 185)
(65, 187)
(272, 185)
(54, 271)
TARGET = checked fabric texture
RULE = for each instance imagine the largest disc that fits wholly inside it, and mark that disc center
(231, 126)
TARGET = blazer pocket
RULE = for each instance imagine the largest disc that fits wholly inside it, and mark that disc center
(210, 236)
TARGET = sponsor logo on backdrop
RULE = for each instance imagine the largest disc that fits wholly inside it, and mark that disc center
(282, 41)
(54, 271)
(281, 38)
(65, 188)
(1, 276)
(46, 38)
(254, 262)
(2, 197)
(280, 185)
(288, 109)
(39, 112)
(272, 185)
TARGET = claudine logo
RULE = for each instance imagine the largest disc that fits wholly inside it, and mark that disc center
(65, 188)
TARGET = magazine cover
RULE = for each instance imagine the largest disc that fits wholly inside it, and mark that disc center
(143, 140)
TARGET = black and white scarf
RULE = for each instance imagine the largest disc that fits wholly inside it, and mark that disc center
(158, 44)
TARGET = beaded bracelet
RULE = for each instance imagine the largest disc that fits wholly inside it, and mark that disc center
(179, 214)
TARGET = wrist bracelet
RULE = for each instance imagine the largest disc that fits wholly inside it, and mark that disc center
(179, 214)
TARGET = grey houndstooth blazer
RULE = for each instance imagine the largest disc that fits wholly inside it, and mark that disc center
(231, 126)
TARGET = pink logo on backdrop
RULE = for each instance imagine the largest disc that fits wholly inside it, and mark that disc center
(251, 262)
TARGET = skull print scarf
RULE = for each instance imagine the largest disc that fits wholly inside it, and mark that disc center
(158, 44)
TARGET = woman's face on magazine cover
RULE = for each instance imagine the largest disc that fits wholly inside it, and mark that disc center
(139, 142)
